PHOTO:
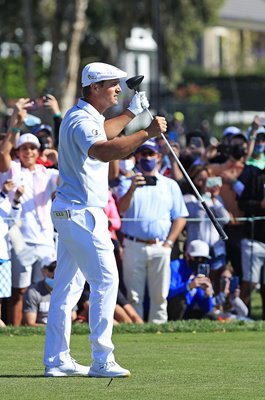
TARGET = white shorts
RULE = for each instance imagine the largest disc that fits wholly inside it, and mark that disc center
(28, 263)
(253, 259)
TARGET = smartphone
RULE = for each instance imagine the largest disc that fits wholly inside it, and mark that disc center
(214, 181)
(196, 141)
(234, 282)
(203, 269)
(35, 104)
(150, 180)
(223, 283)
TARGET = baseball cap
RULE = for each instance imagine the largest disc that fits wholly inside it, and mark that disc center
(97, 71)
(149, 144)
(28, 138)
(261, 129)
(198, 248)
(41, 127)
(231, 130)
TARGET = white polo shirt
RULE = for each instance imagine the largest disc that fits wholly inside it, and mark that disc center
(83, 179)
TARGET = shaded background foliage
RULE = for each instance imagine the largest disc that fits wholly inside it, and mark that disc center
(103, 27)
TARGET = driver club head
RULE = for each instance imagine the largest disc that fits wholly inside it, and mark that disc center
(134, 82)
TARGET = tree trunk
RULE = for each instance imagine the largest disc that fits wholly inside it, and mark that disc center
(28, 48)
(79, 28)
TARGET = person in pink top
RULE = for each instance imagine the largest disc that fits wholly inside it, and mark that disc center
(113, 217)
(124, 311)
(37, 227)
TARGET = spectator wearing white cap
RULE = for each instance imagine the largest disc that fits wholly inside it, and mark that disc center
(37, 228)
(191, 292)
(87, 144)
(199, 225)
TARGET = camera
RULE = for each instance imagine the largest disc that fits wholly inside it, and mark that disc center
(224, 149)
(44, 143)
(235, 150)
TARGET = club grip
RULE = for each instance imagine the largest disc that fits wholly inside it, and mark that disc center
(216, 224)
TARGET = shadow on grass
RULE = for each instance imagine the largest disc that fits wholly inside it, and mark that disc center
(24, 376)
(41, 376)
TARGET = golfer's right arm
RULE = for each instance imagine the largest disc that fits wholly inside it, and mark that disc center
(120, 147)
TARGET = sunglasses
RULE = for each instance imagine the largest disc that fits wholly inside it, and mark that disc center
(146, 153)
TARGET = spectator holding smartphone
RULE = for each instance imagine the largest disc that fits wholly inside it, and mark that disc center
(227, 302)
(51, 103)
(156, 213)
(191, 291)
(201, 227)
(37, 227)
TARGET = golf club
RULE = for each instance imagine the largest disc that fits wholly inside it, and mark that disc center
(133, 83)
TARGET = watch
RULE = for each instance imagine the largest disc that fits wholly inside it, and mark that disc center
(170, 242)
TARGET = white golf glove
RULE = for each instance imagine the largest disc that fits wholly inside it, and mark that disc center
(138, 103)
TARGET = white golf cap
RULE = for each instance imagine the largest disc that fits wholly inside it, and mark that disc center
(97, 71)
(28, 138)
(198, 248)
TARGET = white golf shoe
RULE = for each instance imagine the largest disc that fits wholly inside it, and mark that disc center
(71, 368)
(108, 370)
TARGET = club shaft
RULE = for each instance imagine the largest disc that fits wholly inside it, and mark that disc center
(197, 193)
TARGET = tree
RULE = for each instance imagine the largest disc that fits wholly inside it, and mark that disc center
(82, 31)
(71, 24)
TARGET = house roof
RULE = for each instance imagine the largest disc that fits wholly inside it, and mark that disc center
(245, 14)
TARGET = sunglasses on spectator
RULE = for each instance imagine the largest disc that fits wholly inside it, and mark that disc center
(147, 153)
(199, 259)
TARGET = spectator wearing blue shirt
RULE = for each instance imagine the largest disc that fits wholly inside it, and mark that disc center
(153, 212)
(191, 292)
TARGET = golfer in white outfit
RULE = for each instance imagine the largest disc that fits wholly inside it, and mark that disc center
(85, 251)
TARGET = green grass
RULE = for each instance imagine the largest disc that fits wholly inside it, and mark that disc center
(256, 306)
(192, 360)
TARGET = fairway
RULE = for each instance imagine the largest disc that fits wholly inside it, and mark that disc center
(214, 365)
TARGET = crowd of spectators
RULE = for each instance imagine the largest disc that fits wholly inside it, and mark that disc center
(171, 261)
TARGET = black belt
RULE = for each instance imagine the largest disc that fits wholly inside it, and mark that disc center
(135, 239)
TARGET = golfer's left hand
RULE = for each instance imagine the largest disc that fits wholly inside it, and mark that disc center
(138, 103)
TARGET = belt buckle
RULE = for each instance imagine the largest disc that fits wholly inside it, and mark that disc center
(62, 214)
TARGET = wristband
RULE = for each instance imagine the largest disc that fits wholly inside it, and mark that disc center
(252, 137)
(16, 201)
(58, 114)
(15, 130)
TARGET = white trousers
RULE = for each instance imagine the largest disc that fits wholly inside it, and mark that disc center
(253, 259)
(147, 264)
(85, 252)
